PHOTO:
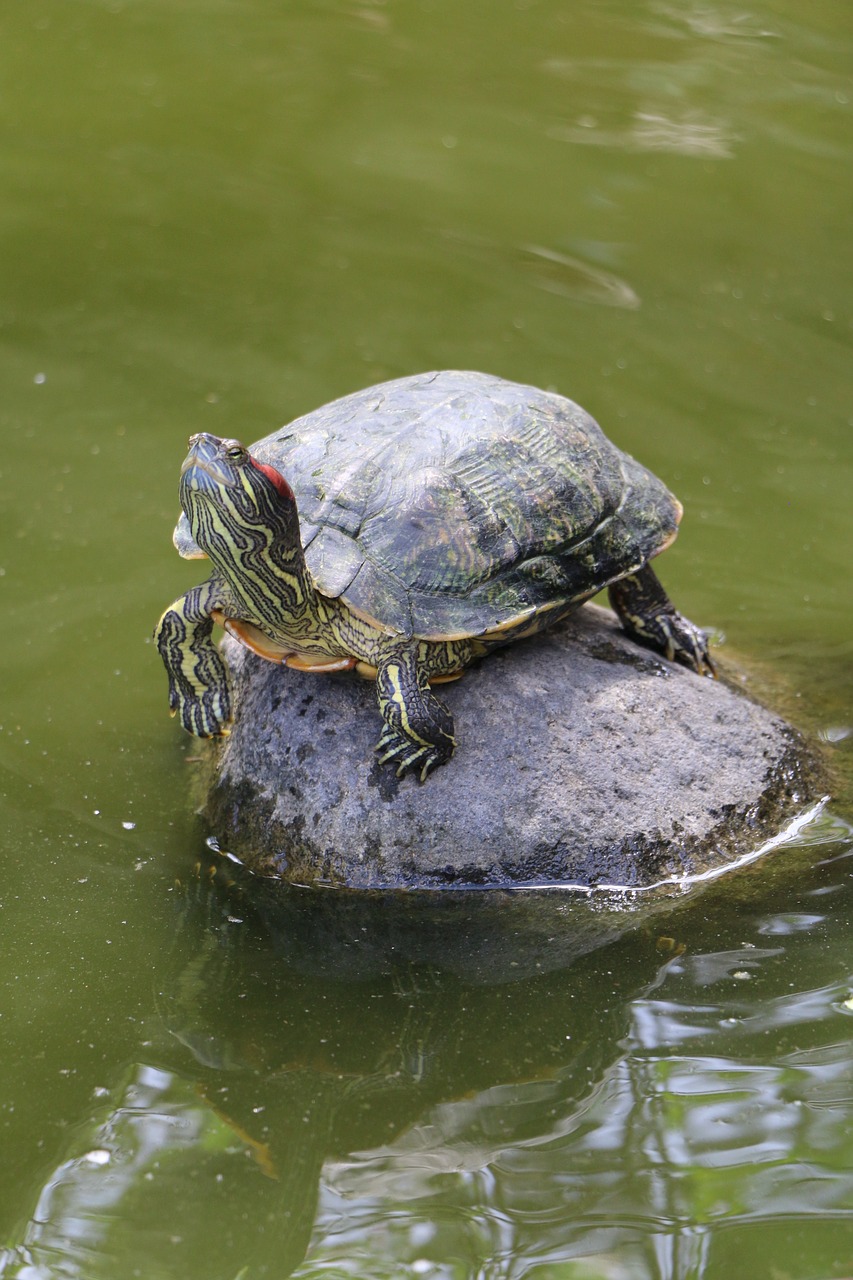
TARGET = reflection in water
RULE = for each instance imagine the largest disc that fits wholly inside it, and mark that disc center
(134, 1194)
(571, 278)
(388, 1115)
(555, 272)
(660, 1149)
(708, 22)
(691, 134)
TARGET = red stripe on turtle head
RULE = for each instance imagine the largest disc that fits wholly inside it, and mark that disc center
(276, 479)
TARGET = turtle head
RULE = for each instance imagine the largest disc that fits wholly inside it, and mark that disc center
(233, 502)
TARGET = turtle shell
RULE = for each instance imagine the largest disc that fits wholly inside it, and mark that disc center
(458, 504)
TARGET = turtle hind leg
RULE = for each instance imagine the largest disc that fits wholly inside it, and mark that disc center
(418, 730)
(649, 617)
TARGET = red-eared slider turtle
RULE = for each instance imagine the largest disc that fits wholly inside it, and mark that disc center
(405, 531)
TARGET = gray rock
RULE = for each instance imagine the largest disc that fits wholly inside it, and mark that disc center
(582, 759)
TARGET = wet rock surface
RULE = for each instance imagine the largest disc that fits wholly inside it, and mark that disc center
(582, 759)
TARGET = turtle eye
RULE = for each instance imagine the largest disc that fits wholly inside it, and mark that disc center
(235, 452)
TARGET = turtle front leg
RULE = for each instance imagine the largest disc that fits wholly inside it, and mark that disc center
(199, 684)
(649, 617)
(418, 732)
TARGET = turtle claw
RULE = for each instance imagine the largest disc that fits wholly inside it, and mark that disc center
(681, 641)
(397, 749)
(688, 644)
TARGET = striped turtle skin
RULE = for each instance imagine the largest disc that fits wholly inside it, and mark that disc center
(404, 531)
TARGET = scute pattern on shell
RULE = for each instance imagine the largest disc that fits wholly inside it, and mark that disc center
(454, 503)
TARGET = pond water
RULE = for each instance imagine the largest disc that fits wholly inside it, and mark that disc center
(216, 215)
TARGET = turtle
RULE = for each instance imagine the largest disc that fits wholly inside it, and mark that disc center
(404, 531)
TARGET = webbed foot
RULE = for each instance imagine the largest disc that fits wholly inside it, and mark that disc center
(649, 617)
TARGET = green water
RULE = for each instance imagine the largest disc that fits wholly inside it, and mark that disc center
(215, 215)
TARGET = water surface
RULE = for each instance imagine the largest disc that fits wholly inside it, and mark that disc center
(216, 216)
